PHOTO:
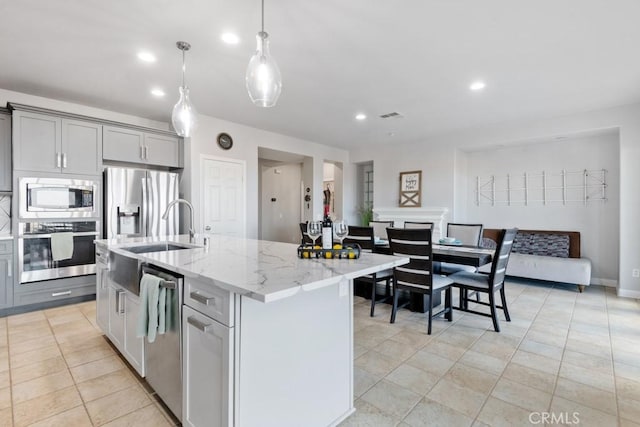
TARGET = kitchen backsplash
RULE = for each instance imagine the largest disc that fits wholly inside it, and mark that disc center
(5, 214)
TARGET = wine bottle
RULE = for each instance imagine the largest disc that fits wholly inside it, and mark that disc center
(327, 233)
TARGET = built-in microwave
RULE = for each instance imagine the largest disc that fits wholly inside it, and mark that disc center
(57, 198)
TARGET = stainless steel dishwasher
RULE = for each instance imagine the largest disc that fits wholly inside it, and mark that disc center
(163, 357)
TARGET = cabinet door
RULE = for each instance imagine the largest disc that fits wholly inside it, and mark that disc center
(161, 150)
(81, 147)
(102, 298)
(207, 366)
(116, 315)
(133, 346)
(6, 279)
(37, 142)
(5, 152)
(122, 144)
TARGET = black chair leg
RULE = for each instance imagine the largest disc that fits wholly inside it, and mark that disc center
(373, 295)
(504, 304)
(394, 306)
(447, 305)
(494, 314)
(430, 313)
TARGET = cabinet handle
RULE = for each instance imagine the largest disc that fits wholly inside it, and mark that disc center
(202, 299)
(58, 160)
(60, 294)
(204, 327)
(145, 152)
(64, 160)
(121, 302)
(9, 267)
(142, 152)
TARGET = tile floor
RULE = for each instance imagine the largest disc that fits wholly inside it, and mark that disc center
(57, 369)
(563, 352)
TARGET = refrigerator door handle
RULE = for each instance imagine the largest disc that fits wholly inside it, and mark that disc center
(145, 208)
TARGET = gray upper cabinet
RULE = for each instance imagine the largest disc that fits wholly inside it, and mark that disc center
(133, 146)
(5, 152)
(45, 143)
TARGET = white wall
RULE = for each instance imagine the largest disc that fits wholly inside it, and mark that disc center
(442, 177)
(245, 146)
(598, 222)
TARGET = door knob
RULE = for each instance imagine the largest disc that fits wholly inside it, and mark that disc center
(207, 228)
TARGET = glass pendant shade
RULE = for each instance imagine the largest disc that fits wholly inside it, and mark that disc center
(184, 116)
(263, 79)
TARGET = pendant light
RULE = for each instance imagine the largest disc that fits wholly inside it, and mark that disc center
(263, 79)
(184, 116)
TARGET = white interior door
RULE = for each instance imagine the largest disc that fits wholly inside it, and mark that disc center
(223, 196)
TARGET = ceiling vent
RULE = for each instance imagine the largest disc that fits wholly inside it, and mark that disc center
(392, 115)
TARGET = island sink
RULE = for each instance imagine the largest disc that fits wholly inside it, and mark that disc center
(156, 247)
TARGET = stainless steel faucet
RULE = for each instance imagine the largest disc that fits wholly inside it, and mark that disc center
(192, 231)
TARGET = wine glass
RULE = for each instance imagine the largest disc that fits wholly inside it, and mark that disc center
(340, 229)
(314, 230)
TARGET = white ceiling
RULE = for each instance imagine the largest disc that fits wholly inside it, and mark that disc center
(540, 59)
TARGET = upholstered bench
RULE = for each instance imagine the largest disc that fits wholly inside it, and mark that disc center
(546, 255)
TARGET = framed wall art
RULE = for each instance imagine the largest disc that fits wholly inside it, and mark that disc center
(410, 189)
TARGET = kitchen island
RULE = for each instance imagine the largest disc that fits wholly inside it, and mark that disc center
(267, 337)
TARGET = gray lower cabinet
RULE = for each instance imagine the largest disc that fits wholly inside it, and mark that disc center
(102, 294)
(5, 152)
(46, 143)
(6, 279)
(122, 312)
(134, 146)
(207, 367)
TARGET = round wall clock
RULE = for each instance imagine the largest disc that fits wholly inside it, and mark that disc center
(225, 141)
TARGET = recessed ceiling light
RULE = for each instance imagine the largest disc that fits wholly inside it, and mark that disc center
(157, 92)
(477, 86)
(230, 38)
(146, 56)
(361, 116)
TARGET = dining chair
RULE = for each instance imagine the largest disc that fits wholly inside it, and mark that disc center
(490, 284)
(414, 224)
(305, 240)
(468, 235)
(364, 237)
(380, 228)
(417, 276)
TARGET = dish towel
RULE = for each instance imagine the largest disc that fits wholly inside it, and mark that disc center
(61, 246)
(151, 295)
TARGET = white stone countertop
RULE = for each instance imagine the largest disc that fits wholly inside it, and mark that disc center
(262, 270)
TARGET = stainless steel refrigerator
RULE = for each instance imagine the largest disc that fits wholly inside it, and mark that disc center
(134, 201)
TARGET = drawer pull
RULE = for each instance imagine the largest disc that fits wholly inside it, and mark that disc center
(60, 294)
(204, 327)
(202, 299)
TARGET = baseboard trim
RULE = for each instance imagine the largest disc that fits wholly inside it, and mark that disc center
(609, 283)
(628, 293)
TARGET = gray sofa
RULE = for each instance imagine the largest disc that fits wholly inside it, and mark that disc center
(545, 255)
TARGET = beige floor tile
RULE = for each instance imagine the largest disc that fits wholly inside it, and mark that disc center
(29, 334)
(593, 363)
(358, 351)
(376, 363)
(541, 349)
(411, 339)
(5, 396)
(582, 415)
(629, 372)
(33, 356)
(21, 319)
(430, 362)
(83, 344)
(4, 362)
(5, 378)
(101, 386)
(628, 389)
(149, 416)
(535, 361)
(76, 417)
(483, 361)
(64, 318)
(586, 376)
(428, 413)
(117, 404)
(458, 398)
(391, 398)
(439, 347)
(592, 348)
(6, 417)
(88, 355)
(37, 369)
(96, 368)
(532, 377)
(362, 381)
(626, 357)
(395, 350)
(413, 379)
(521, 395)
(39, 408)
(629, 409)
(471, 378)
(32, 344)
(369, 415)
(40, 386)
(498, 413)
(587, 395)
